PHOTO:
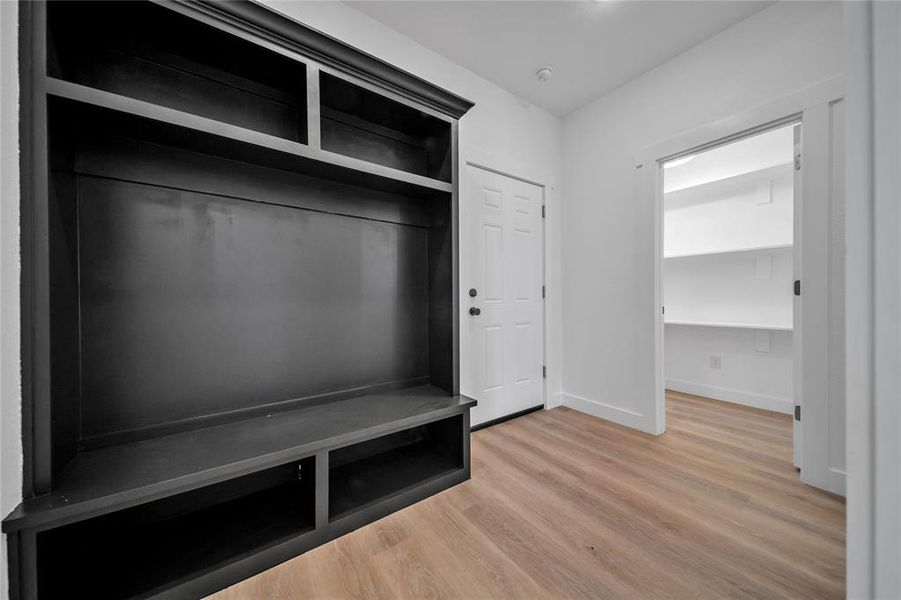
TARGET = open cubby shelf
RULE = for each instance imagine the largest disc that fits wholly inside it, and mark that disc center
(366, 125)
(177, 127)
(364, 473)
(145, 548)
(240, 296)
(154, 54)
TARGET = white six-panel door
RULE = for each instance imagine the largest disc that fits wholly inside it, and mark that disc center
(502, 324)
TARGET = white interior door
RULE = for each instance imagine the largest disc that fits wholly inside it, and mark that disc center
(501, 280)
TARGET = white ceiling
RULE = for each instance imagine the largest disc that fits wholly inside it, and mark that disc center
(592, 46)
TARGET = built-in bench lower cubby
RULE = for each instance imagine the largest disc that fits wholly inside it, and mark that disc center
(183, 515)
(145, 549)
(364, 473)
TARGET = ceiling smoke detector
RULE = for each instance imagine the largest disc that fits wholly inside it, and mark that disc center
(544, 73)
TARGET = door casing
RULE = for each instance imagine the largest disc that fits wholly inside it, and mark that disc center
(809, 106)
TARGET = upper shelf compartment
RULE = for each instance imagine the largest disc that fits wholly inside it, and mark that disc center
(117, 47)
(362, 124)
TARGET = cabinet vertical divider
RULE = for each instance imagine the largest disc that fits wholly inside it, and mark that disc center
(322, 491)
(314, 110)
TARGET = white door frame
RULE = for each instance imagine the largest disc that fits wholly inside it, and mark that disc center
(808, 103)
(482, 161)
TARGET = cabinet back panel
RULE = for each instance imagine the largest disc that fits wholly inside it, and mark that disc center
(373, 147)
(161, 84)
(194, 304)
(139, 161)
(360, 123)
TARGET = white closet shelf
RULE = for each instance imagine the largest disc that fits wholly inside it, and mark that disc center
(734, 181)
(729, 251)
(731, 325)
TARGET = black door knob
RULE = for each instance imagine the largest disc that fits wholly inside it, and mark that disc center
(475, 311)
(472, 292)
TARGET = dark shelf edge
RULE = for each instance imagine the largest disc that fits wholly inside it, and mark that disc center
(296, 36)
(56, 516)
(138, 108)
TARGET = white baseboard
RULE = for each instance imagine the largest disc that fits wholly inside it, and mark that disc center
(782, 405)
(838, 482)
(831, 479)
(556, 399)
(621, 416)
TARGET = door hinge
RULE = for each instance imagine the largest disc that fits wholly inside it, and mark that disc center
(543, 291)
(663, 310)
(798, 162)
(797, 287)
(797, 412)
(543, 211)
(544, 371)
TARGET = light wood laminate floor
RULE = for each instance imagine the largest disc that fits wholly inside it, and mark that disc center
(564, 505)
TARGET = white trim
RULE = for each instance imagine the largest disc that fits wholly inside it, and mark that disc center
(485, 167)
(873, 299)
(858, 303)
(782, 111)
(782, 405)
(620, 416)
(556, 400)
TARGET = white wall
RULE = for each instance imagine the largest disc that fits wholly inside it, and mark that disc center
(747, 375)
(608, 248)
(502, 131)
(10, 419)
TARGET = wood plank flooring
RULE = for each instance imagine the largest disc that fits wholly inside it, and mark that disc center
(564, 505)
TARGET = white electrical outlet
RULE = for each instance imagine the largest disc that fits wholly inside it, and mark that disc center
(716, 361)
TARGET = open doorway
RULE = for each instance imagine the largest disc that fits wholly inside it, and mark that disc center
(818, 263)
(728, 269)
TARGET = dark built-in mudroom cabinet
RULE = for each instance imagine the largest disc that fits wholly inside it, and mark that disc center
(239, 296)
